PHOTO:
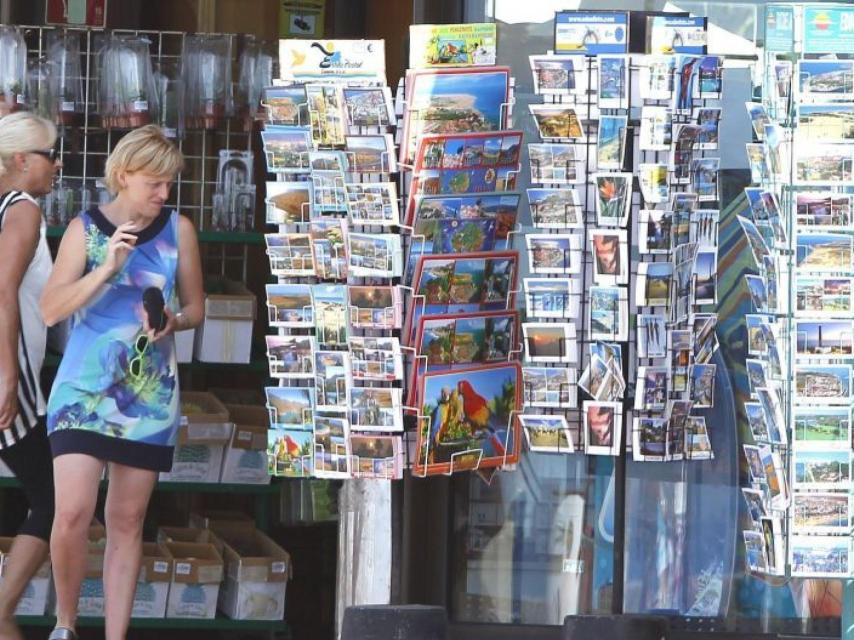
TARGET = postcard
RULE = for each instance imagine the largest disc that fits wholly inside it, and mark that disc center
(613, 87)
(330, 309)
(469, 150)
(332, 380)
(824, 165)
(818, 252)
(290, 407)
(368, 106)
(756, 421)
(377, 255)
(291, 356)
(549, 387)
(453, 101)
(376, 358)
(757, 374)
(652, 388)
(603, 427)
(682, 290)
(290, 305)
(709, 121)
(820, 556)
(290, 452)
(822, 209)
(649, 439)
(554, 253)
(653, 183)
(549, 342)
(285, 105)
(290, 254)
(654, 230)
(609, 314)
(451, 45)
(704, 228)
(371, 153)
(655, 128)
(375, 409)
(468, 419)
(703, 386)
(820, 296)
(552, 297)
(326, 114)
(610, 143)
(556, 122)
(816, 470)
(685, 83)
(656, 77)
(781, 93)
(775, 548)
(819, 513)
(652, 336)
(286, 148)
(698, 445)
(328, 195)
(555, 163)
(559, 75)
(825, 80)
(754, 464)
(375, 307)
(758, 118)
(610, 256)
(754, 552)
(682, 154)
(826, 122)
(776, 475)
(755, 504)
(757, 243)
(823, 384)
(770, 268)
(330, 250)
(706, 277)
(547, 433)
(555, 209)
(704, 178)
(597, 380)
(331, 447)
(459, 283)
(328, 160)
(288, 202)
(374, 456)
(822, 428)
(431, 212)
(709, 78)
(653, 284)
(757, 158)
(824, 339)
(372, 203)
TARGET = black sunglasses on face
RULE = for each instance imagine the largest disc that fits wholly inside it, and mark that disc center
(49, 154)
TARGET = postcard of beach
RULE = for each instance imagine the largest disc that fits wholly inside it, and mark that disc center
(609, 313)
(825, 80)
(556, 122)
(653, 183)
(824, 165)
(547, 433)
(368, 106)
(826, 122)
(653, 284)
(824, 252)
(656, 77)
(549, 342)
(603, 427)
(552, 297)
(558, 75)
(824, 339)
(613, 87)
(371, 153)
(823, 384)
(290, 254)
(290, 452)
(553, 163)
(285, 105)
(549, 387)
(822, 428)
(286, 148)
(610, 142)
(822, 296)
(468, 419)
(652, 335)
(655, 128)
(290, 305)
(290, 407)
(555, 208)
(288, 202)
(821, 469)
(453, 101)
(821, 513)
(823, 209)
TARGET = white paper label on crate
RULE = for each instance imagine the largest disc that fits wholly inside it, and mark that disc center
(244, 435)
(140, 105)
(183, 568)
(20, 99)
(571, 565)
(161, 567)
(279, 567)
(67, 105)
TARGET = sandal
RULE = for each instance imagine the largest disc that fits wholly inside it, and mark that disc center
(62, 633)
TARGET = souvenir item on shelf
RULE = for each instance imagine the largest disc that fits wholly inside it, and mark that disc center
(255, 73)
(169, 88)
(206, 62)
(13, 70)
(452, 45)
(126, 91)
(234, 198)
(65, 78)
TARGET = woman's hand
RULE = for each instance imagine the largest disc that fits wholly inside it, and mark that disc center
(173, 324)
(8, 405)
(119, 247)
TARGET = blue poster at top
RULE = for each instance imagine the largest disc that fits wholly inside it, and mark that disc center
(828, 29)
(591, 32)
(779, 28)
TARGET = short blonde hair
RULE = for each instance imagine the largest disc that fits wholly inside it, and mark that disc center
(145, 149)
(22, 132)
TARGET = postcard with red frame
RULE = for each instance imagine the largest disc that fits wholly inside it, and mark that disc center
(469, 419)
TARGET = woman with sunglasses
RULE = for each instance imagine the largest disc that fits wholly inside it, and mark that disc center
(28, 164)
(115, 398)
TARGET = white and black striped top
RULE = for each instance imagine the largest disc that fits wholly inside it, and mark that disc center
(33, 333)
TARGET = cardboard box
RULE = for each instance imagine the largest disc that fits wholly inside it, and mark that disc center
(91, 601)
(225, 334)
(196, 577)
(257, 573)
(188, 534)
(201, 441)
(223, 522)
(152, 587)
(184, 344)
(34, 599)
(245, 460)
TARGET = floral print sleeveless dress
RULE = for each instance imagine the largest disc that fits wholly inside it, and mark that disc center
(116, 396)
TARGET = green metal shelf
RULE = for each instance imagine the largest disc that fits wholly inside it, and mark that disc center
(190, 487)
(213, 237)
(217, 624)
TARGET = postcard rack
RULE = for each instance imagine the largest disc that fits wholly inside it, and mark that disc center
(799, 352)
